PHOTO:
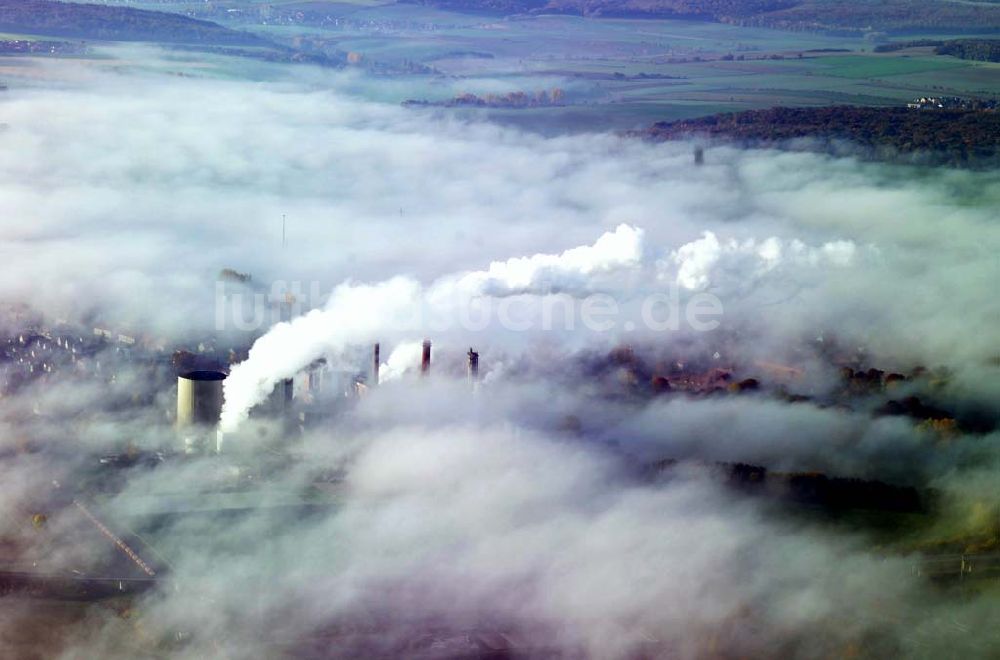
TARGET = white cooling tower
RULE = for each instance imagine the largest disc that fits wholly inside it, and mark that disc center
(199, 398)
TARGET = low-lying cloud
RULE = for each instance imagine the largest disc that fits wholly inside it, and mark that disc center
(520, 506)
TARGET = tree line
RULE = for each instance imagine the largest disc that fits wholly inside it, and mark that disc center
(982, 50)
(857, 16)
(946, 136)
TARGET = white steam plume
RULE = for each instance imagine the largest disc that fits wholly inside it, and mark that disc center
(358, 312)
(405, 357)
(571, 270)
(694, 264)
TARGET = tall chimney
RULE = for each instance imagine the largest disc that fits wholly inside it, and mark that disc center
(279, 402)
(425, 358)
(473, 365)
(375, 361)
(699, 156)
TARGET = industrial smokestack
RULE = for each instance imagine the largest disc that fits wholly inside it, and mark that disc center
(375, 363)
(699, 156)
(425, 358)
(199, 398)
(279, 403)
(473, 365)
(281, 398)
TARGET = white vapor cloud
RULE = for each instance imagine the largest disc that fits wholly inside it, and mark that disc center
(356, 313)
(525, 503)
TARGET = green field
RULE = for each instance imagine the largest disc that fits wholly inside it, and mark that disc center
(599, 61)
(880, 66)
(615, 73)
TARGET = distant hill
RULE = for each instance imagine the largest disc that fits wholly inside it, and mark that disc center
(102, 22)
(832, 15)
(956, 137)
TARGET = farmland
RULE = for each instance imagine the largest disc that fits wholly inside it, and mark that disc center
(621, 73)
(616, 73)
